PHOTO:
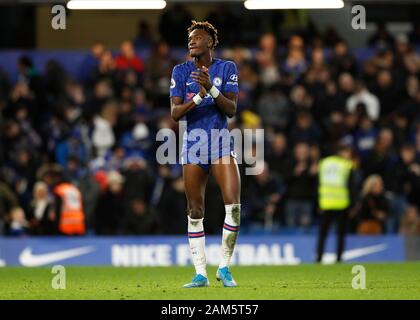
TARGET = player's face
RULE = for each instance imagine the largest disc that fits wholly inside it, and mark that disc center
(199, 42)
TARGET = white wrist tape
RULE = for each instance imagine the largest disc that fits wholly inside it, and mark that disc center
(214, 92)
(197, 99)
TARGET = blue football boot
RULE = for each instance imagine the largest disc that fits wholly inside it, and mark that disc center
(224, 275)
(198, 281)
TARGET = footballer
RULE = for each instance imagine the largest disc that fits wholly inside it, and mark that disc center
(204, 93)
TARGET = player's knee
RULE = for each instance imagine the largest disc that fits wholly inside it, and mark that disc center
(231, 199)
(196, 211)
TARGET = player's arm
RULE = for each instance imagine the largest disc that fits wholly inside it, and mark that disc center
(177, 90)
(179, 109)
(226, 101)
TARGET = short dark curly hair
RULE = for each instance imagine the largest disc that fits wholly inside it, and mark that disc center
(206, 26)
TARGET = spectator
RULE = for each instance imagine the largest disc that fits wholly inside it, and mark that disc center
(374, 207)
(91, 62)
(278, 157)
(171, 203)
(381, 158)
(342, 60)
(383, 59)
(346, 87)
(267, 60)
(249, 83)
(159, 66)
(15, 139)
(139, 218)
(89, 188)
(67, 205)
(41, 216)
(128, 60)
(408, 60)
(26, 165)
(71, 147)
(265, 193)
(381, 36)
(314, 153)
(274, 108)
(138, 178)
(351, 123)
(105, 69)
(110, 209)
(27, 73)
(402, 180)
(399, 127)
(18, 224)
(410, 223)
(74, 103)
(411, 105)
(300, 99)
(103, 137)
(22, 98)
(301, 186)
(305, 129)
(362, 95)
(22, 191)
(8, 202)
(365, 137)
(238, 54)
(295, 63)
(55, 80)
(328, 102)
(386, 92)
(318, 59)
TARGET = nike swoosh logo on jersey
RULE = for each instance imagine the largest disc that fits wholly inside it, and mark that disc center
(189, 83)
(28, 259)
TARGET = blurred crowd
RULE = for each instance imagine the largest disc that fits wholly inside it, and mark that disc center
(310, 94)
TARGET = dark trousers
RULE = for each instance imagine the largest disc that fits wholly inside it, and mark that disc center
(327, 218)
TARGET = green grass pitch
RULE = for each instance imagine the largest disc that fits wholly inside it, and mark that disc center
(309, 281)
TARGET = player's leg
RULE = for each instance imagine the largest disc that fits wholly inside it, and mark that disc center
(195, 179)
(228, 179)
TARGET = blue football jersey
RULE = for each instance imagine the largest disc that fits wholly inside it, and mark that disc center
(206, 116)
